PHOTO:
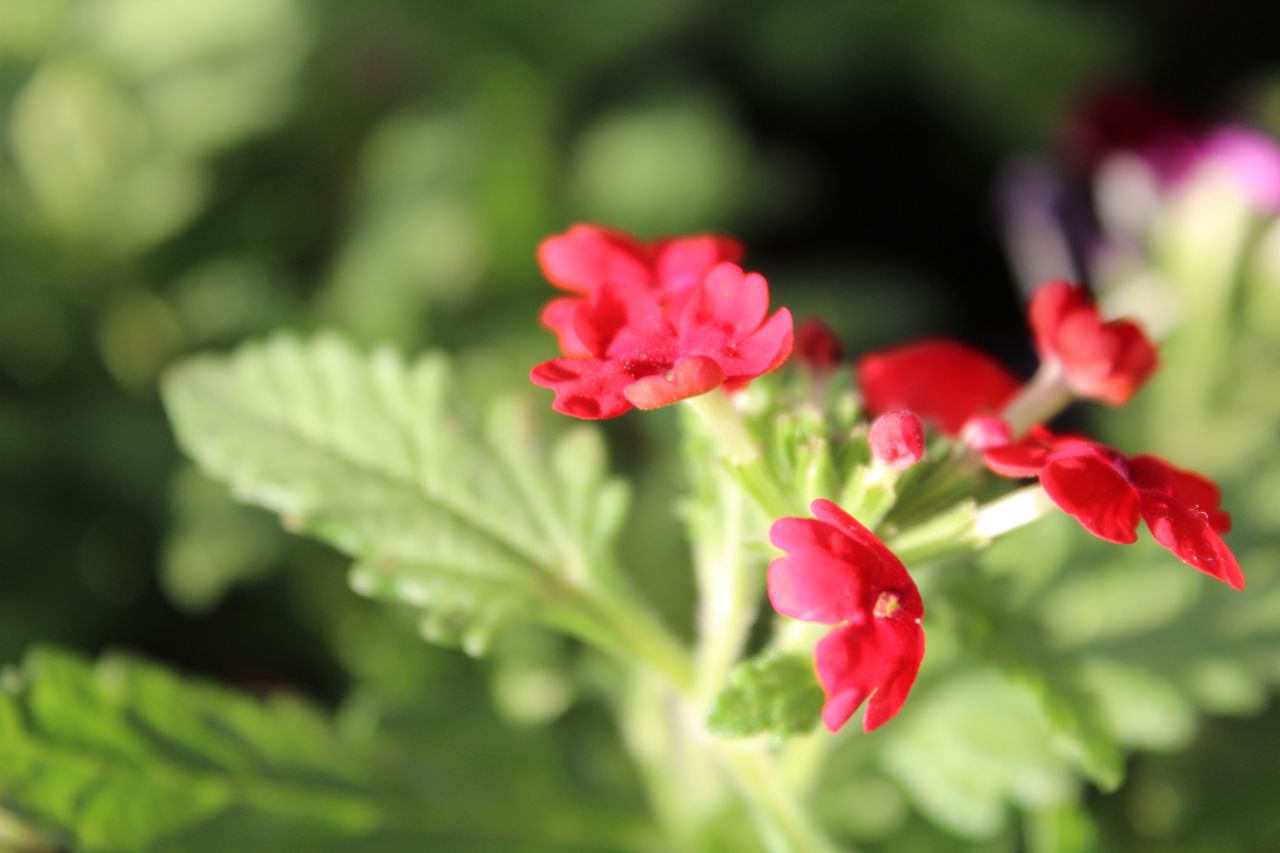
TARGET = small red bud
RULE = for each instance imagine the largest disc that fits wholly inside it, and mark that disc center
(817, 347)
(983, 432)
(897, 439)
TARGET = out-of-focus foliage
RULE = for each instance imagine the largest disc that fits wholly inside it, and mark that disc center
(179, 175)
(122, 755)
(125, 101)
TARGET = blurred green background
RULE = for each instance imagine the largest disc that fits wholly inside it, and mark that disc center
(178, 175)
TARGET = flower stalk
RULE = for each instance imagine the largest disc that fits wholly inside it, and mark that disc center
(1040, 400)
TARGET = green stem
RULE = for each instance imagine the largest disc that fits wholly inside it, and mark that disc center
(728, 593)
(635, 633)
(717, 413)
(804, 759)
(948, 532)
(741, 453)
(784, 824)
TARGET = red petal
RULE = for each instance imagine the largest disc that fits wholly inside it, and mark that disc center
(886, 570)
(1186, 487)
(1135, 362)
(828, 576)
(683, 262)
(728, 305)
(588, 388)
(1103, 361)
(940, 380)
(631, 324)
(1050, 305)
(814, 586)
(880, 657)
(690, 377)
(1188, 534)
(598, 319)
(587, 255)
(557, 315)
(907, 638)
(763, 351)
(1024, 458)
(1084, 481)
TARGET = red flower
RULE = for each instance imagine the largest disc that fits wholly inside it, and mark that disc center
(1105, 361)
(897, 439)
(587, 256)
(817, 347)
(940, 380)
(639, 352)
(1107, 492)
(837, 572)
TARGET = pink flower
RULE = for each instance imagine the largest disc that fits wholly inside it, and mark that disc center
(1116, 121)
(943, 381)
(1253, 159)
(1107, 361)
(838, 573)
(817, 347)
(897, 439)
(639, 352)
(1107, 492)
(587, 256)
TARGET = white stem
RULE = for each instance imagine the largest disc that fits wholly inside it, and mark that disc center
(1012, 511)
(1039, 400)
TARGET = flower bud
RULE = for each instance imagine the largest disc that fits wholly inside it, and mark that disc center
(983, 432)
(817, 347)
(897, 439)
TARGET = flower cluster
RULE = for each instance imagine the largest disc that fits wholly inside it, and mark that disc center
(1091, 358)
(653, 324)
(647, 325)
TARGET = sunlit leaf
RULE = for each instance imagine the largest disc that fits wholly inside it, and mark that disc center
(381, 459)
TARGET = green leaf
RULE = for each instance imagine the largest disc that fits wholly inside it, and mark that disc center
(776, 694)
(972, 746)
(1063, 828)
(379, 459)
(122, 755)
(1014, 641)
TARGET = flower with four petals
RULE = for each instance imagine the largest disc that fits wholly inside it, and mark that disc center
(1108, 492)
(838, 573)
(1100, 360)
